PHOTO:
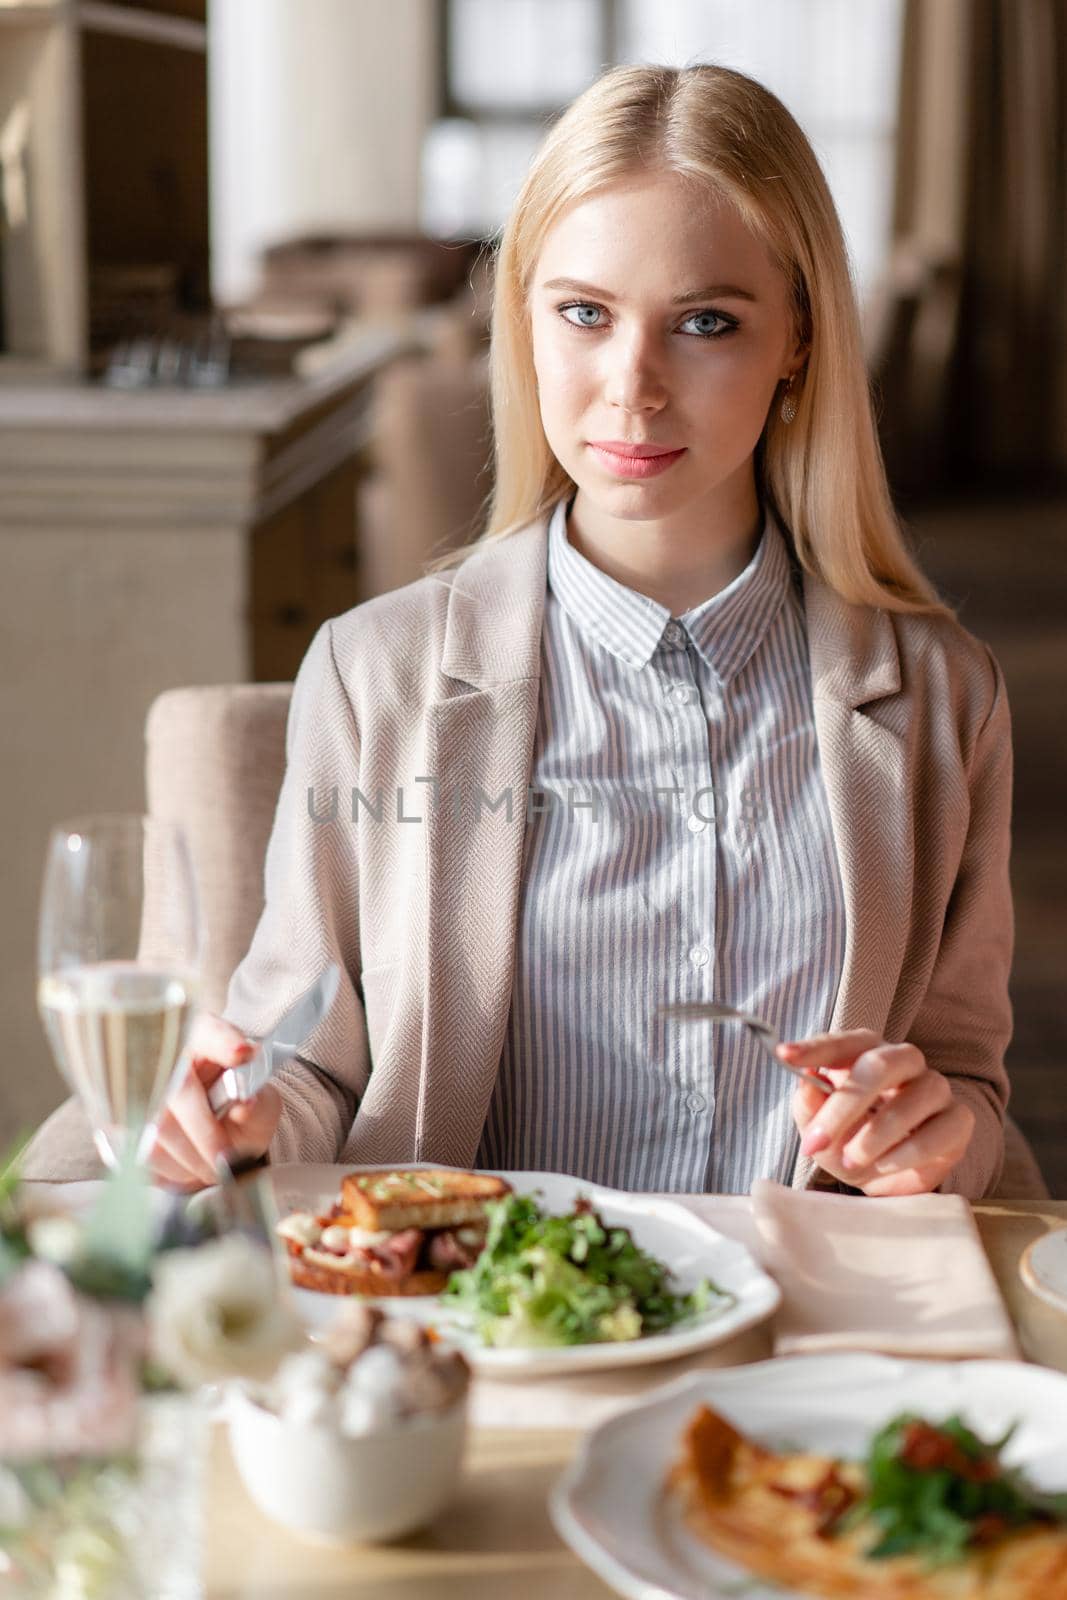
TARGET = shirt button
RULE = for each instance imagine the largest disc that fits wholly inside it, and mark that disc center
(696, 824)
(700, 955)
(672, 633)
(695, 1102)
(684, 695)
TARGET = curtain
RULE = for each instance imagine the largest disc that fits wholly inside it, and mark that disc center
(970, 350)
(1010, 389)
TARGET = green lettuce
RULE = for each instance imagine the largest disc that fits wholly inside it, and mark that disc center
(549, 1281)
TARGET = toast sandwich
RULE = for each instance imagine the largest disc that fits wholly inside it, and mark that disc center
(402, 1232)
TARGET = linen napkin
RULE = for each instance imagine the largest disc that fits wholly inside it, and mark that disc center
(903, 1276)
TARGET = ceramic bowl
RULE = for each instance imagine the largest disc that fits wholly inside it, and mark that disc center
(1043, 1268)
(324, 1485)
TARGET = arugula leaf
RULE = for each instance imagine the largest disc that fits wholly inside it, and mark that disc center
(548, 1280)
(938, 1490)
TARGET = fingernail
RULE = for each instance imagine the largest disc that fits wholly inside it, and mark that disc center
(244, 1050)
(813, 1141)
(788, 1049)
(848, 1162)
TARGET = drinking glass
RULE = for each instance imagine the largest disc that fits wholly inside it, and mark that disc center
(118, 961)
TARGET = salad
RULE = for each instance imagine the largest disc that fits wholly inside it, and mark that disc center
(938, 1490)
(562, 1280)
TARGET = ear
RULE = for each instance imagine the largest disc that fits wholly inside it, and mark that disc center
(797, 361)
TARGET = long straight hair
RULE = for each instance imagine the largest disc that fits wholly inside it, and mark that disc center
(822, 474)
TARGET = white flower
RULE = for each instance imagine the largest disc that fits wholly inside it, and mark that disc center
(219, 1312)
(55, 1239)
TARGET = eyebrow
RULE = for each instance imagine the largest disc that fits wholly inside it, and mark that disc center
(715, 291)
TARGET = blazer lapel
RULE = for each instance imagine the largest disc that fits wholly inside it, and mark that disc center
(855, 667)
(479, 746)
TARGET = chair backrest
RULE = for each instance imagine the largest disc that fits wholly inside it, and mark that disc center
(434, 457)
(214, 761)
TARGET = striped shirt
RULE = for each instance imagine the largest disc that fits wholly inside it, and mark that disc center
(678, 847)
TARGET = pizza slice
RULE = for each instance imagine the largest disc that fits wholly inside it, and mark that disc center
(932, 1515)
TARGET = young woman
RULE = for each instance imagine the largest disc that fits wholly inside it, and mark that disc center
(686, 723)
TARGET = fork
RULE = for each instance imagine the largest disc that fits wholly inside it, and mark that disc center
(764, 1032)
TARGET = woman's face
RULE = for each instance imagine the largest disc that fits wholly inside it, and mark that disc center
(658, 319)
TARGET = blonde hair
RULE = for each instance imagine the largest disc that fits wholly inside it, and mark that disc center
(822, 474)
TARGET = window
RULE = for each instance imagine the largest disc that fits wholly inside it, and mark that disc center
(510, 66)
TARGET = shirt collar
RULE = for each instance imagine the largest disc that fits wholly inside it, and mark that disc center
(724, 630)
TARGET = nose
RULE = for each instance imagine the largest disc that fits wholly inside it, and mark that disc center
(634, 379)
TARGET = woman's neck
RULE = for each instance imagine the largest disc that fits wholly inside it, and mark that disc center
(679, 561)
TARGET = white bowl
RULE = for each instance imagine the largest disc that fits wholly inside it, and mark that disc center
(318, 1482)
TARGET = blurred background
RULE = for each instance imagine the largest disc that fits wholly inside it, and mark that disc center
(245, 277)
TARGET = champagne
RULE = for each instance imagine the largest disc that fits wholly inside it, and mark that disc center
(117, 1030)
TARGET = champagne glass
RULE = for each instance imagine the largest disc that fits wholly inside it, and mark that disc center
(118, 962)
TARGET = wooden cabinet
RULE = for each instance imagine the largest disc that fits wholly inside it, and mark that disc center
(304, 567)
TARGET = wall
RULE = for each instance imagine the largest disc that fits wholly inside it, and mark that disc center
(95, 621)
(317, 115)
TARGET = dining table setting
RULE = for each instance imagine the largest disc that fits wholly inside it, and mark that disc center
(876, 1296)
(837, 1313)
(308, 1380)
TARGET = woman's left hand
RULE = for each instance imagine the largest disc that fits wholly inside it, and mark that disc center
(892, 1125)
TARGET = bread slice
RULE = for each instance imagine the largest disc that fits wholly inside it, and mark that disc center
(364, 1278)
(413, 1197)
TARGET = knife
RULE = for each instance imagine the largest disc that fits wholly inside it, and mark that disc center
(281, 1044)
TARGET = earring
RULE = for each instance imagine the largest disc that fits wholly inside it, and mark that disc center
(789, 404)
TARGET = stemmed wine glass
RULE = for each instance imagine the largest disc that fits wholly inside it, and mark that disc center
(118, 963)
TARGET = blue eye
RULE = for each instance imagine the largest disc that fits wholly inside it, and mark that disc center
(580, 306)
(723, 324)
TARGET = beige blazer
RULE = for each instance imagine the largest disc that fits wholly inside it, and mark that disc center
(418, 899)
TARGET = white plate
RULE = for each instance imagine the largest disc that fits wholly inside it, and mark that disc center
(687, 1245)
(609, 1505)
(1043, 1268)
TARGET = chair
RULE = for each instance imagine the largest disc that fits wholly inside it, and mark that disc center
(214, 761)
(433, 466)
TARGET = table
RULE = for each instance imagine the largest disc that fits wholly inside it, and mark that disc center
(497, 1539)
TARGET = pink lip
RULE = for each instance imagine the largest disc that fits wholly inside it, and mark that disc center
(635, 461)
(622, 447)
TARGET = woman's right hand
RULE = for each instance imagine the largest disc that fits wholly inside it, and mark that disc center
(190, 1137)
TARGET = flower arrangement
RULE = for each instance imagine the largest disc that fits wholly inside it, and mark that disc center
(107, 1323)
